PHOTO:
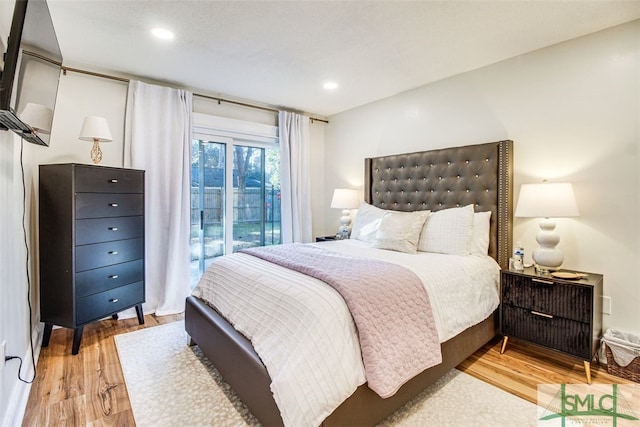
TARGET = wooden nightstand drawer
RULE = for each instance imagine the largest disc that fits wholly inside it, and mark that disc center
(103, 254)
(108, 180)
(102, 279)
(108, 229)
(100, 305)
(557, 333)
(98, 205)
(545, 295)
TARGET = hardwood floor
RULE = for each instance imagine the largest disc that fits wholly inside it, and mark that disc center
(523, 366)
(88, 389)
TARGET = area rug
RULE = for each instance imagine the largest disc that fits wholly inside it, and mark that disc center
(172, 384)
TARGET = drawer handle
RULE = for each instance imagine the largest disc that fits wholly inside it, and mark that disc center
(546, 282)
(113, 205)
(113, 252)
(113, 300)
(113, 228)
(114, 276)
(537, 313)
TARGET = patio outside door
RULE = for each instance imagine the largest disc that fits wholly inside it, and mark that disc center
(235, 200)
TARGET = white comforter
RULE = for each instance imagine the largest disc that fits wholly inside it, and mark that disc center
(303, 332)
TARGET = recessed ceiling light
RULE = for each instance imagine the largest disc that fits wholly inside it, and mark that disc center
(162, 33)
(330, 86)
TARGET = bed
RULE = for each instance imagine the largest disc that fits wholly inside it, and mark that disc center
(480, 175)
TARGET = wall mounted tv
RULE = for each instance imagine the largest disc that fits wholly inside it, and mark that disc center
(31, 70)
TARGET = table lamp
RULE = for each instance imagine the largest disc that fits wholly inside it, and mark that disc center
(95, 129)
(547, 200)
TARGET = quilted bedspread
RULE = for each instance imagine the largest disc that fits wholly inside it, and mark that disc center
(388, 303)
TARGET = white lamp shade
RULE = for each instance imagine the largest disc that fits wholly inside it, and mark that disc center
(547, 200)
(344, 198)
(95, 129)
(38, 117)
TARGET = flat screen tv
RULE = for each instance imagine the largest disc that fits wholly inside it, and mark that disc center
(31, 70)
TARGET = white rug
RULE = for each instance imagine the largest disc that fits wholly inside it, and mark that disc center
(172, 384)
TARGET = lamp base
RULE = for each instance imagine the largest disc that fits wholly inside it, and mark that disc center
(541, 269)
(547, 257)
(96, 152)
(345, 224)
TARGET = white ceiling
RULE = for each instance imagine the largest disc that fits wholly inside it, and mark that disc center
(281, 52)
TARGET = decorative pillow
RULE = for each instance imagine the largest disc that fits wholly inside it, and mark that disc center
(400, 231)
(448, 231)
(479, 244)
(366, 222)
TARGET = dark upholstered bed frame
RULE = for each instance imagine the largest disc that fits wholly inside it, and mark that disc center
(438, 179)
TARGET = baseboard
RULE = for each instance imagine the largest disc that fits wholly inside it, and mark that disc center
(20, 395)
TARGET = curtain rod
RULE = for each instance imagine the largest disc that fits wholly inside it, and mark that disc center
(214, 98)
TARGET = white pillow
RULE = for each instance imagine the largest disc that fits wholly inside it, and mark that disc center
(448, 231)
(366, 222)
(479, 244)
(400, 231)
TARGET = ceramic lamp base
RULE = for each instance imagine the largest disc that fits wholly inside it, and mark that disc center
(345, 223)
(547, 257)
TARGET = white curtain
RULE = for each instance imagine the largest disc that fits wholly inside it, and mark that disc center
(295, 177)
(158, 140)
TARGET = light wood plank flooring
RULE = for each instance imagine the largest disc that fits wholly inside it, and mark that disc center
(523, 366)
(88, 389)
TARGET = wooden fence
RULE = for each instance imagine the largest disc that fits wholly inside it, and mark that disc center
(247, 205)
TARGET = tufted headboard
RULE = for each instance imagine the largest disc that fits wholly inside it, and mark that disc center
(450, 177)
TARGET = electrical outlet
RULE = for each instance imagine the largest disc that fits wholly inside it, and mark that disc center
(3, 353)
(606, 305)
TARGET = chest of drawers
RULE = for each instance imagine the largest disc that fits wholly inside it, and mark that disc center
(563, 315)
(91, 228)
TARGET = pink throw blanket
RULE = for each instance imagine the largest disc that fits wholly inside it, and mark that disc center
(389, 306)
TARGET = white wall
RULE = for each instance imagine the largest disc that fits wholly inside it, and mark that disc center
(14, 317)
(79, 96)
(573, 112)
(14, 314)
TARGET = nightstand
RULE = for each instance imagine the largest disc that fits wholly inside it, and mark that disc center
(560, 314)
(325, 238)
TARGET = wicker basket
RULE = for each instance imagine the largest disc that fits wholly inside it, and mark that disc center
(630, 372)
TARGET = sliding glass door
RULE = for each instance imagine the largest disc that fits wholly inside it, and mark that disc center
(256, 208)
(207, 205)
(235, 199)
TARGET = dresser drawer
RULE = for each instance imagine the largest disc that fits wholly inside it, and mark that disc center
(561, 334)
(109, 253)
(100, 205)
(108, 180)
(102, 279)
(100, 305)
(570, 301)
(108, 229)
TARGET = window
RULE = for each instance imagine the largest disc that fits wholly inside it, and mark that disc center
(235, 191)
